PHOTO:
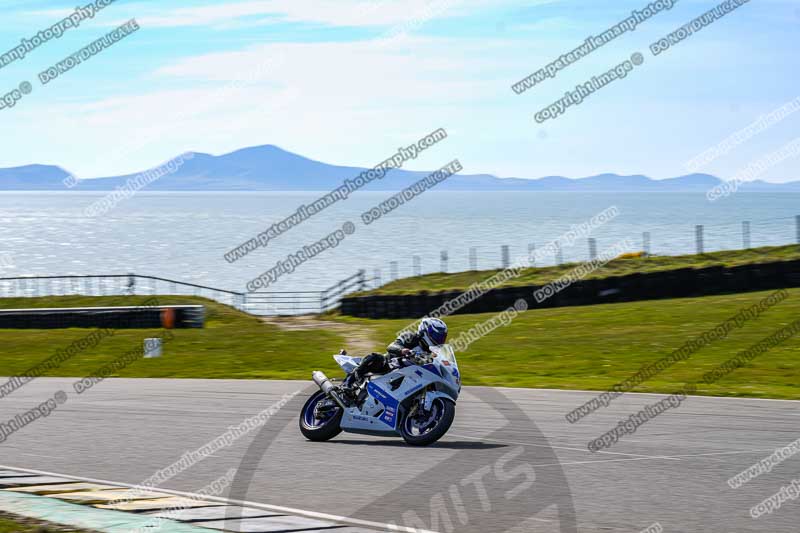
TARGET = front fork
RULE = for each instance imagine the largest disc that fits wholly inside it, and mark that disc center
(422, 402)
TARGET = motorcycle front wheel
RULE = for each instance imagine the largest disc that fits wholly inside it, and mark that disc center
(320, 418)
(426, 427)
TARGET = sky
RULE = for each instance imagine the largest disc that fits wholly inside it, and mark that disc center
(349, 81)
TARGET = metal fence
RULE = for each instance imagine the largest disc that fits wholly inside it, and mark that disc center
(653, 240)
(256, 303)
(303, 302)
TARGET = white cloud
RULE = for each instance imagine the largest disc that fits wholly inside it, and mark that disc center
(332, 101)
(355, 13)
(551, 24)
(53, 13)
(342, 13)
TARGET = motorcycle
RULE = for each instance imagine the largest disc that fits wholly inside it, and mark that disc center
(416, 401)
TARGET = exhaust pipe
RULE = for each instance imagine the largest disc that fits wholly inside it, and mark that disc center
(327, 387)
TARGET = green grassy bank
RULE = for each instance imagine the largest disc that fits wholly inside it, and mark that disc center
(619, 267)
(589, 347)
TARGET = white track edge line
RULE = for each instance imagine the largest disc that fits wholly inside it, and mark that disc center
(711, 397)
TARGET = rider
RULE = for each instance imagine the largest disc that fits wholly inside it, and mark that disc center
(431, 332)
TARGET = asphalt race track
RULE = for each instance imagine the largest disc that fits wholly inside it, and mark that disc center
(510, 462)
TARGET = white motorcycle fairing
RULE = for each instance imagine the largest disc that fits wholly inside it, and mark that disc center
(348, 363)
(381, 411)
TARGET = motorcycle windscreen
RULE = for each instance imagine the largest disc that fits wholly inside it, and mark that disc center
(445, 354)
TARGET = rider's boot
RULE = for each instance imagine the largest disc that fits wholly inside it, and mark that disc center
(353, 389)
(351, 383)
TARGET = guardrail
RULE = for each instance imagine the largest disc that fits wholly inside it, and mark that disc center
(257, 303)
(303, 302)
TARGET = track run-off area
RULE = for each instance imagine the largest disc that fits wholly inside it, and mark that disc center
(511, 461)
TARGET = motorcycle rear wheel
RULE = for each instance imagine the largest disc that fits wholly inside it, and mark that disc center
(316, 428)
(431, 426)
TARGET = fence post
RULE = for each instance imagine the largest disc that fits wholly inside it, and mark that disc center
(532, 254)
(592, 249)
(505, 256)
(698, 237)
(473, 258)
(323, 299)
(559, 254)
(746, 234)
(797, 227)
(444, 260)
(417, 265)
(339, 286)
(393, 275)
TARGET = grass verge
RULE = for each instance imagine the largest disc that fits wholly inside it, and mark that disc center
(595, 347)
(590, 347)
(232, 345)
(18, 524)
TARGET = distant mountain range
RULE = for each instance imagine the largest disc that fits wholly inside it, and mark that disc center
(269, 168)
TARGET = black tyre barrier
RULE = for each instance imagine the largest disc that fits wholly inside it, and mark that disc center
(146, 317)
(679, 283)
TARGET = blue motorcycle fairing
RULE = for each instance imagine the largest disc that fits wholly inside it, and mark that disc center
(390, 404)
(380, 411)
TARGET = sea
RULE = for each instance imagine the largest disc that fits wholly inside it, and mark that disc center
(185, 235)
